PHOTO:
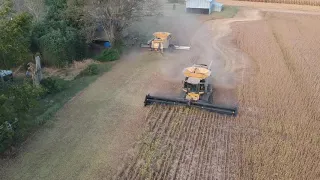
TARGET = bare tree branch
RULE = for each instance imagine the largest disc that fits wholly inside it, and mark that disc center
(36, 8)
(115, 15)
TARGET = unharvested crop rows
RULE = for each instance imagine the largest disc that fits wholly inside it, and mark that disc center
(183, 143)
(300, 2)
(281, 100)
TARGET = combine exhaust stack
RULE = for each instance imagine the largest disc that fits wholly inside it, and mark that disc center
(202, 105)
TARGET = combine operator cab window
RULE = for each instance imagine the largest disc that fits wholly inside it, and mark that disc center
(202, 85)
(192, 87)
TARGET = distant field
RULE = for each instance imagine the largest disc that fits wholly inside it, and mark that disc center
(300, 2)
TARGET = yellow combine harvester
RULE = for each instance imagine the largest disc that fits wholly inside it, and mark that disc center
(195, 84)
(162, 41)
(197, 92)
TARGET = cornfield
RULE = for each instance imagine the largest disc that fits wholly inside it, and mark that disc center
(300, 2)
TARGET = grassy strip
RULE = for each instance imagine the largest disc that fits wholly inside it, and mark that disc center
(52, 103)
(49, 105)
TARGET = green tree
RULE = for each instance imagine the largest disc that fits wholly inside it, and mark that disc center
(57, 37)
(15, 103)
(14, 35)
(60, 46)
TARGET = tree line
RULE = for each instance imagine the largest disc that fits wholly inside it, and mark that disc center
(61, 29)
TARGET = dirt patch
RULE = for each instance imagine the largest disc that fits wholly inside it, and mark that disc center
(68, 73)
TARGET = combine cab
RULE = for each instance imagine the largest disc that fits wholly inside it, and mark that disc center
(195, 85)
(196, 92)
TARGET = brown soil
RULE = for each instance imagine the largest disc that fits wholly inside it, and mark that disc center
(67, 73)
(70, 72)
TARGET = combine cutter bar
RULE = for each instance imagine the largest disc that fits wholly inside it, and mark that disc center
(202, 105)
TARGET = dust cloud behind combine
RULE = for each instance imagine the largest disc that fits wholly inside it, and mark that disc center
(188, 143)
(204, 39)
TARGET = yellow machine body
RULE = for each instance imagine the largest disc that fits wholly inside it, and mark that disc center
(197, 71)
(160, 41)
(195, 82)
(197, 92)
(193, 96)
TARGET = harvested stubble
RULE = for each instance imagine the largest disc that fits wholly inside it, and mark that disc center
(183, 143)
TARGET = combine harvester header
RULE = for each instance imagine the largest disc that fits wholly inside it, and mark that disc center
(196, 92)
(197, 104)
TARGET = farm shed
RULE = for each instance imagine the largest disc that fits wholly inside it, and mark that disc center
(203, 6)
